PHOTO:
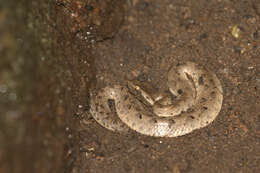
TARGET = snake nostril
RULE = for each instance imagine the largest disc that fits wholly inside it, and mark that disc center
(172, 121)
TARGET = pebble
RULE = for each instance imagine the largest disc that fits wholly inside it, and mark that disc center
(3, 88)
(235, 31)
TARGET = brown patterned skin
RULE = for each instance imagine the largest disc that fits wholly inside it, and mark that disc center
(197, 101)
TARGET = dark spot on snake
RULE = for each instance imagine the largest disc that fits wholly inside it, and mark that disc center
(189, 77)
(213, 93)
(129, 106)
(203, 100)
(189, 110)
(126, 97)
(140, 116)
(180, 91)
(204, 107)
(155, 121)
(201, 80)
(147, 98)
(91, 118)
(102, 107)
(99, 97)
(211, 81)
(207, 122)
(172, 121)
(172, 96)
(146, 145)
(192, 117)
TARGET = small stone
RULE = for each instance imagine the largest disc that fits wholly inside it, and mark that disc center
(131, 19)
(70, 136)
(3, 88)
(235, 31)
(12, 96)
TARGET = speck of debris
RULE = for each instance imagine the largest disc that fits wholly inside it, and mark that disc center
(235, 31)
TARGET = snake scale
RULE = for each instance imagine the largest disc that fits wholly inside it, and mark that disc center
(193, 101)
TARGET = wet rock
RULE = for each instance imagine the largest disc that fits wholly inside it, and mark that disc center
(91, 20)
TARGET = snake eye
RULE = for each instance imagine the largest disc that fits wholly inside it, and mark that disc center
(111, 104)
(180, 91)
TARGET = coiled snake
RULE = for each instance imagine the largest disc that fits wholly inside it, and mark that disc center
(193, 101)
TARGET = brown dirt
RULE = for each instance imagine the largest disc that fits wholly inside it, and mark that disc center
(156, 35)
(96, 43)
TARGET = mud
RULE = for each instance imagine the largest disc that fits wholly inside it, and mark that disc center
(56, 52)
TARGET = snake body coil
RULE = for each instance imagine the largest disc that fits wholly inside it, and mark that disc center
(194, 101)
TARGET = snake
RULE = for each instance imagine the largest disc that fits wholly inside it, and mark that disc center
(193, 100)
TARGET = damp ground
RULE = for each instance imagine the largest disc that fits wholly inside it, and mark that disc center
(55, 53)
